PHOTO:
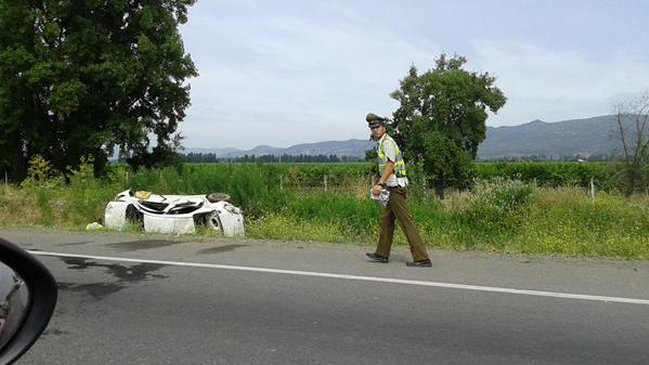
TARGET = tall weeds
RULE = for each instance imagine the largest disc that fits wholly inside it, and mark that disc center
(279, 202)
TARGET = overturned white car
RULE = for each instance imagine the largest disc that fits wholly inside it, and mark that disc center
(174, 213)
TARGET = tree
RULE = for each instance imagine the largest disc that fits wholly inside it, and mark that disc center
(632, 119)
(441, 119)
(82, 77)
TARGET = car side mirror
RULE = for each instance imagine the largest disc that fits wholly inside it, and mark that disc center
(28, 294)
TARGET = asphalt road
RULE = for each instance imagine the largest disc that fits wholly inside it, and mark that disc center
(251, 302)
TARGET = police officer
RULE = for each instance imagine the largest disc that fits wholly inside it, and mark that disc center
(393, 178)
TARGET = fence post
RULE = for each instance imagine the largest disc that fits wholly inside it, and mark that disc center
(325, 183)
(592, 188)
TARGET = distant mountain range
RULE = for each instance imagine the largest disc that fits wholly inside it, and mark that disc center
(578, 137)
(584, 137)
(350, 148)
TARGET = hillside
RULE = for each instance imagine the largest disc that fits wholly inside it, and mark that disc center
(592, 136)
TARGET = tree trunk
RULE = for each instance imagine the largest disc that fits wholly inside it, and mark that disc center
(439, 188)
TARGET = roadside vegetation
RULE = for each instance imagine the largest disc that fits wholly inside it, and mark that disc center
(105, 77)
(296, 202)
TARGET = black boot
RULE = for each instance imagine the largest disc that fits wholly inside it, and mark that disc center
(420, 263)
(377, 258)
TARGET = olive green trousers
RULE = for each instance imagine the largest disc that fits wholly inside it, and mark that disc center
(398, 209)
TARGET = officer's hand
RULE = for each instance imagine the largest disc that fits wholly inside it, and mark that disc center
(376, 190)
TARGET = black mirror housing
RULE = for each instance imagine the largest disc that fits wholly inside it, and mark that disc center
(43, 292)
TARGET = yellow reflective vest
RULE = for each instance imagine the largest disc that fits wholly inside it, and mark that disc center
(385, 145)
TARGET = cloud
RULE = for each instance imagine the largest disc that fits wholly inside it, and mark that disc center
(310, 81)
(288, 72)
(555, 85)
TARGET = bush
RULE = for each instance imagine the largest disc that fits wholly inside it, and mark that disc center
(40, 174)
(552, 174)
(498, 204)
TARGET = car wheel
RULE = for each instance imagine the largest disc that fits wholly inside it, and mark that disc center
(134, 216)
(213, 222)
(217, 197)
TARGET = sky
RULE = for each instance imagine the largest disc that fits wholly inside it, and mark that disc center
(287, 72)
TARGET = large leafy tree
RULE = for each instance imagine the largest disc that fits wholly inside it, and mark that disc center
(82, 77)
(442, 119)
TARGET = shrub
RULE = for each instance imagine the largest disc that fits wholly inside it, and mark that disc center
(41, 174)
(498, 204)
(551, 174)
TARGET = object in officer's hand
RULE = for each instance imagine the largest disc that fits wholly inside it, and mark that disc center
(383, 198)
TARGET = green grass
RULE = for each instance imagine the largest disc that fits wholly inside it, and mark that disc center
(499, 215)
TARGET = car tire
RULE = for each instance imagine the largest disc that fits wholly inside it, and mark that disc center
(213, 222)
(134, 216)
(217, 197)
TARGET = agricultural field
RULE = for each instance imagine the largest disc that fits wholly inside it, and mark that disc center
(535, 208)
(305, 175)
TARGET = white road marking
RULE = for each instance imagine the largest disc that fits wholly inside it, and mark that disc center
(491, 289)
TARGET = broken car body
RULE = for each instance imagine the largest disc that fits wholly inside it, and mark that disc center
(174, 213)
